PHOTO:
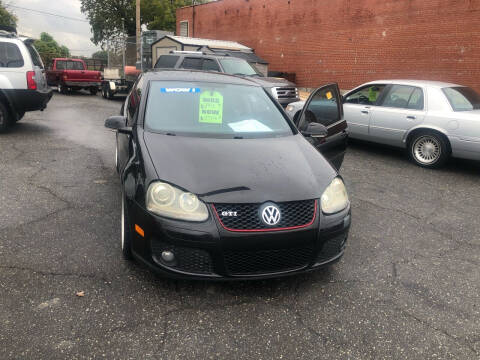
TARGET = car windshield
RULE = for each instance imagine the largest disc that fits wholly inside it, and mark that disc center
(213, 110)
(237, 67)
(462, 98)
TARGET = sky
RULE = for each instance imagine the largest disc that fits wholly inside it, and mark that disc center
(73, 34)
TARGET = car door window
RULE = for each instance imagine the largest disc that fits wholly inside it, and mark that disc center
(322, 109)
(210, 65)
(404, 97)
(416, 101)
(134, 101)
(10, 55)
(192, 63)
(367, 95)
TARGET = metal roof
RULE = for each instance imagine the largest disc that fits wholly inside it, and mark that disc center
(213, 44)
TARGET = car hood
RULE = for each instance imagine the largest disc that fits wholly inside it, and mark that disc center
(241, 170)
(272, 82)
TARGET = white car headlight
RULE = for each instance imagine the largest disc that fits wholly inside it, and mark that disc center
(290, 108)
(334, 198)
(166, 200)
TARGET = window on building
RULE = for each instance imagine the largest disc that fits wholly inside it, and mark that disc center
(184, 28)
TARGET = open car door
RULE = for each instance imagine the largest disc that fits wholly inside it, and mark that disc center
(323, 125)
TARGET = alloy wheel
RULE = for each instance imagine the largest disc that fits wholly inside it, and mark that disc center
(427, 150)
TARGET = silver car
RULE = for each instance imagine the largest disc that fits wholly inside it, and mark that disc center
(432, 120)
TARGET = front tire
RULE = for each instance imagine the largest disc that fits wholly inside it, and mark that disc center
(126, 232)
(429, 149)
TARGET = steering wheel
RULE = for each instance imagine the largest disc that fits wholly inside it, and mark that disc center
(362, 99)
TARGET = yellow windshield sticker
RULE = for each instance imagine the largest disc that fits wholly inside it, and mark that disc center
(211, 107)
(329, 95)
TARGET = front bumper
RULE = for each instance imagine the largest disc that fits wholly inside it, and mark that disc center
(208, 251)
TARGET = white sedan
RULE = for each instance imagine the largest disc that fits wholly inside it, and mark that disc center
(432, 120)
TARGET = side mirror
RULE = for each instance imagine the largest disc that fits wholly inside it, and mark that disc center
(315, 130)
(118, 123)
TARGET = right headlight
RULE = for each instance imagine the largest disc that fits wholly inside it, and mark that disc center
(334, 198)
(166, 200)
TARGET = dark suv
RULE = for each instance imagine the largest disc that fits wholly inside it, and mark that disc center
(283, 90)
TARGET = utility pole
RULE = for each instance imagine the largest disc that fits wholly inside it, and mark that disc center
(139, 31)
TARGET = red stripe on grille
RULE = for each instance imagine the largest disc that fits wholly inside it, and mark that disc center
(271, 229)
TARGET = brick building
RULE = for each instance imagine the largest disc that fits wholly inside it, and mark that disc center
(348, 41)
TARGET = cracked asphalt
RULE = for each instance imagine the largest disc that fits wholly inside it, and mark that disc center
(407, 288)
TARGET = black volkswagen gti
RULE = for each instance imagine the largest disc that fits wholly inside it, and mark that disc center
(218, 183)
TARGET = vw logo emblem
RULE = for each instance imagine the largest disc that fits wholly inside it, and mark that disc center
(270, 214)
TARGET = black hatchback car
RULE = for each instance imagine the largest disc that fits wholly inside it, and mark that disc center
(218, 183)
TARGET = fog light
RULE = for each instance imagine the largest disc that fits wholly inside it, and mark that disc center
(168, 256)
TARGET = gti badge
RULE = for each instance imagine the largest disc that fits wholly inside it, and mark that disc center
(229, 213)
(270, 214)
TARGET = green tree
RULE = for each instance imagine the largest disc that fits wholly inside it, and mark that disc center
(108, 18)
(102, 55)
(49, 49)
(6, 17)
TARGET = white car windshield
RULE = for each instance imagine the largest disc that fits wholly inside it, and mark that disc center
(213, 110)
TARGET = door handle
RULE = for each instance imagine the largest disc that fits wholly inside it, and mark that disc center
(364, 112)
(411, 117)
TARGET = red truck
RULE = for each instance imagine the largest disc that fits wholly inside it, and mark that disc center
(72, 74)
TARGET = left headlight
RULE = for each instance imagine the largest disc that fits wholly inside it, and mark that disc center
(334, 198)
(290, 108)
(166, 200)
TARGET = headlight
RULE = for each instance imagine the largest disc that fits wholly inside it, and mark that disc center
(166, 200)
(335, 197)
(290, 108)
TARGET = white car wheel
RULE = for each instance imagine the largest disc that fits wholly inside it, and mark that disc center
(427, 150)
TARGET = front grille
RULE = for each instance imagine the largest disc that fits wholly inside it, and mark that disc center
(293, 214)
(286, 92)
(267, 261)
(331, 248)
(187, 259)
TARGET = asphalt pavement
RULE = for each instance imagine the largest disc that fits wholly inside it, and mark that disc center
(407, 288)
